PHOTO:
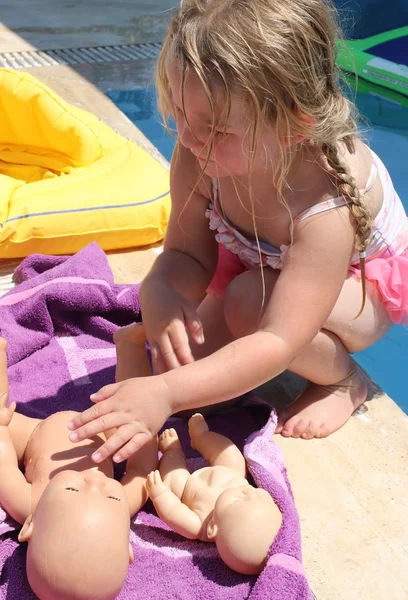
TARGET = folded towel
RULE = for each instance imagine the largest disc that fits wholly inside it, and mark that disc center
(59, 324)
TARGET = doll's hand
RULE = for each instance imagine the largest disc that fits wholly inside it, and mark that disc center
(155, 485)
(137, 407)
(6, 412)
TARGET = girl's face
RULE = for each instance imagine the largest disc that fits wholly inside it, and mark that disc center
(232, 141)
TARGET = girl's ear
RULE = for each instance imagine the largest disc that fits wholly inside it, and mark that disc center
(292, 140)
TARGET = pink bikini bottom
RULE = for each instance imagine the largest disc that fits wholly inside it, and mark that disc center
(389, 273)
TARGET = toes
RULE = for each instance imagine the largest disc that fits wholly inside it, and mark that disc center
(323, 431)
(282, 418)
(300, 428)
(310, 431)
(289, 426)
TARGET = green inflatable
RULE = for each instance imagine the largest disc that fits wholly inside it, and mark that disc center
(381, 59)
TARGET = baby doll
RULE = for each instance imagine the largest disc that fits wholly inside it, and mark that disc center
(215, 503)
(75, 516)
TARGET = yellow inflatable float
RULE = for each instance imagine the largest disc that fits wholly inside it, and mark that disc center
(66, 179)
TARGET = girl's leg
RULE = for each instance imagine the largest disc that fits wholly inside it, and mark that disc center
(338, 387)
(335, 393)
(217, 335)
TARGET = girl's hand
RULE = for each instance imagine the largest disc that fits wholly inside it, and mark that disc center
(137, 407)
(6, 412)
(168, 318)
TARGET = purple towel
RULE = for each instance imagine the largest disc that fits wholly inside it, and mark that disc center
(59, 323)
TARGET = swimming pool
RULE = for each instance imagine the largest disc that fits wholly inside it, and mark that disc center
(385, 125)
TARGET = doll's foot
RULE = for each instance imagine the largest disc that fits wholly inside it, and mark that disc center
(132, 334)
(322, 410)
(169, 441)
(197, 425)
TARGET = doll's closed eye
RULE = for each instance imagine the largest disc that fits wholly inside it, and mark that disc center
(70, 489)
(114, 498)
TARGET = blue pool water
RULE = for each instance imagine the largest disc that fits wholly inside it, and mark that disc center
(385, 122)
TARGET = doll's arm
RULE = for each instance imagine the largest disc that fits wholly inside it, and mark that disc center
(138, 466)
(171, 510)
(15, 491)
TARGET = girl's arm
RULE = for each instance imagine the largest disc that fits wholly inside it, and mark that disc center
(177, 282)
(305, 294)
(190, 251)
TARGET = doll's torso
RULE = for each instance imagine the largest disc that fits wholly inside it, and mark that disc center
(49, 450)
(203, 488)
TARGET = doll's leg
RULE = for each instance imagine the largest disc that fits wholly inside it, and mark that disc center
(20, 427)
(214, 447)
(173, 467)
(131, 355)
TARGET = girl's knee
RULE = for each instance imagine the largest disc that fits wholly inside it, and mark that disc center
(243, 300)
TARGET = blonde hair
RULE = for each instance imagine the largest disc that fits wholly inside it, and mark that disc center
(282, 56)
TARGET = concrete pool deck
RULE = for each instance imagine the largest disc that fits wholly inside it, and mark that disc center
(351, 489)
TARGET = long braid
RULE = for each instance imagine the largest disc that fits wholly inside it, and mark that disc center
(358, 208)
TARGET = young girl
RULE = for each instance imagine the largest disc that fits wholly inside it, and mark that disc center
(286, 247)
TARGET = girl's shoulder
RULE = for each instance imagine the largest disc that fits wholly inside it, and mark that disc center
(359, 162)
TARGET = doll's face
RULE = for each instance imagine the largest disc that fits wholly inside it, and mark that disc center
(245, 523)
(79, 537)
(76, 491)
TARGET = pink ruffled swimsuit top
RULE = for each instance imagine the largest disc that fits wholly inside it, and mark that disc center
(386, 254)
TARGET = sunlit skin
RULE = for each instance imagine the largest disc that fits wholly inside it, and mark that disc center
(232, 139)
(300, 318)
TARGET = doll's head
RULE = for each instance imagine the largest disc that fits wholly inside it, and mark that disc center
(78, 538)
(244, 525)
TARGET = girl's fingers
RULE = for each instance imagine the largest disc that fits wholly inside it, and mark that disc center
(133, 445)
(157, 362)
(124, 442)
(168, 354)
(180, 344)
(194, 325)
(95, 420)
(106, 392)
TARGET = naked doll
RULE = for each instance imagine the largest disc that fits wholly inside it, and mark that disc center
(75, 515)
(215, 503)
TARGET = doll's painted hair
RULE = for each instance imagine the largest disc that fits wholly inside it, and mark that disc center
(281, 55)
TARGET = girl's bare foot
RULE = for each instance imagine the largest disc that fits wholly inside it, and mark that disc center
(321, 410)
